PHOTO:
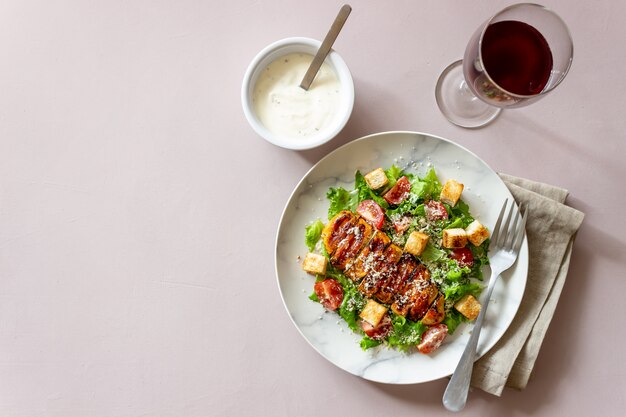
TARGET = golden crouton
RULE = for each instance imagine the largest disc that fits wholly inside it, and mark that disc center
(314, 263)
(476, 233)
(451, 192)
(454, 238)
(416, 243)
(373, 312)
(469, 306)
(376, 179)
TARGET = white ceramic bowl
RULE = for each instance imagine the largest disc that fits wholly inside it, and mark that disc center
(285, 47)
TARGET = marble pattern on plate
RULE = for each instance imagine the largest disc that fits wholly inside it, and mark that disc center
(325, 331)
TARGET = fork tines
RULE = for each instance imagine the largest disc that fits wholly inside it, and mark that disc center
(510, 234)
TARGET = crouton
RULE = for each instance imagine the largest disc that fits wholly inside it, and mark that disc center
(376, 179)
(314, 263)
(476, 233)
(451, 192)
(373, 312)
(454, 238)
(416, 243)
(469, 306)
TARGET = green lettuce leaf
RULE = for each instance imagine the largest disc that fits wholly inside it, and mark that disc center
(459, 215)
(368, 343)
(393, 173)
(431, 253)
(426, 187)
(406, 333)
(456, 273)
(312, 234)
(458, 222)
(480, 259)
(353, 302)
(340, 199)
(453, 319)
(432, 187)
(455, 290)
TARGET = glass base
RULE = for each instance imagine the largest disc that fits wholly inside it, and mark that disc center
(457, 102)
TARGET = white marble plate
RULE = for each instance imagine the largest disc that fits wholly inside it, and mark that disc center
(325, 331)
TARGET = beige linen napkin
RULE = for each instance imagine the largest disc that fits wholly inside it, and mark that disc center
(551, 229)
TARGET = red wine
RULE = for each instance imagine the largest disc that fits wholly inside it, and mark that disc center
(517, 57)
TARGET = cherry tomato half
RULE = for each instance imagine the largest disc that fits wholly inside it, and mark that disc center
(399, 192)
(432, 338)
(372, 213)
(402, 223)
(435, 210)
(463, 256)
(329, 292)
(380, 331)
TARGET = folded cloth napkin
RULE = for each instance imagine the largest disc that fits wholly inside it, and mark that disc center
(551, 228)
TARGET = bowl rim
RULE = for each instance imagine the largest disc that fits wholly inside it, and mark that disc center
(345, 78)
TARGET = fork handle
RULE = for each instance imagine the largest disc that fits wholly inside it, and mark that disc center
(455, 396)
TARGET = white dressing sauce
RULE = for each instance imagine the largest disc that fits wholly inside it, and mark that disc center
(286, 109)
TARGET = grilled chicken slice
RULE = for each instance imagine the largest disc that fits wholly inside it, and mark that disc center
(366, 260)
(382, 270)
(406, 297)
(422, 301)
(436, 313)
(404, 273)
(349, 247)
(335, 230)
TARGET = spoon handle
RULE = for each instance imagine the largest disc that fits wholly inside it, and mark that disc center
(327, 43)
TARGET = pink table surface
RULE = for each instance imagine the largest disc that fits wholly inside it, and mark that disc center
(138, 210)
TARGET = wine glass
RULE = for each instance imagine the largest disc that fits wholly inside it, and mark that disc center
(516, 57)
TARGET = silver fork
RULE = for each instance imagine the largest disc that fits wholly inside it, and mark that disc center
(506, 241)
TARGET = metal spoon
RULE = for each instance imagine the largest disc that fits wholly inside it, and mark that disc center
(327, 43)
